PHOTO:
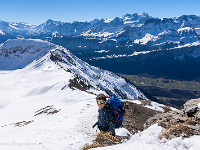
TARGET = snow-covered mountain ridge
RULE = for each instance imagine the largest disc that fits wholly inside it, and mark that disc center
(110, 28)
(17, 54)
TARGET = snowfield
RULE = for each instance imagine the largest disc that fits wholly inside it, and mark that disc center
(24, 92)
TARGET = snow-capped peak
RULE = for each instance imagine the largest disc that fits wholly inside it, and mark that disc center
(24, 43)
(18, 53)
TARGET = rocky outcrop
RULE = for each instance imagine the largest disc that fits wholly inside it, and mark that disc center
(136, 114)
(185, 122)
(191, 108)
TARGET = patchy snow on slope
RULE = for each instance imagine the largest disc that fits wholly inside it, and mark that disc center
(138, 53)
(2, 33)
(102, 51)
(124, 55)
(133, 101)
(148, 37)
(186, 45)
(99, 34)
(197, 31)
(185, 29)
(151, 105)
(156, 106)
(97, 78)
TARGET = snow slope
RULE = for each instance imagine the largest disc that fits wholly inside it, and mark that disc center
(24, 92)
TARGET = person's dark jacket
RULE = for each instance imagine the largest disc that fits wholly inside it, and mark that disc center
(106, 120)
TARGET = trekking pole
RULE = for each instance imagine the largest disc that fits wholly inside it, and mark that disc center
(95, 124)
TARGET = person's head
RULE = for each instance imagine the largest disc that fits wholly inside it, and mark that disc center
(101, 100)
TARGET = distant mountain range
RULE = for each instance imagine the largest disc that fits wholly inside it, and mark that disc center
(131, 44)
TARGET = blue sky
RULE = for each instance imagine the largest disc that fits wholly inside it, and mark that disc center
(38, 11)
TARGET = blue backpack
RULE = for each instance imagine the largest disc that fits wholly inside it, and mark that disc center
(118, 110)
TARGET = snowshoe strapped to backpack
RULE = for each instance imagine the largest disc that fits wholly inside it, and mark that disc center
(118, 110)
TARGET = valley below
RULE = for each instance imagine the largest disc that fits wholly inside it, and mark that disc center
(166, 91)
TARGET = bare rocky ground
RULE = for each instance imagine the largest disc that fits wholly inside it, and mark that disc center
(184, 122)
(136, 115)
